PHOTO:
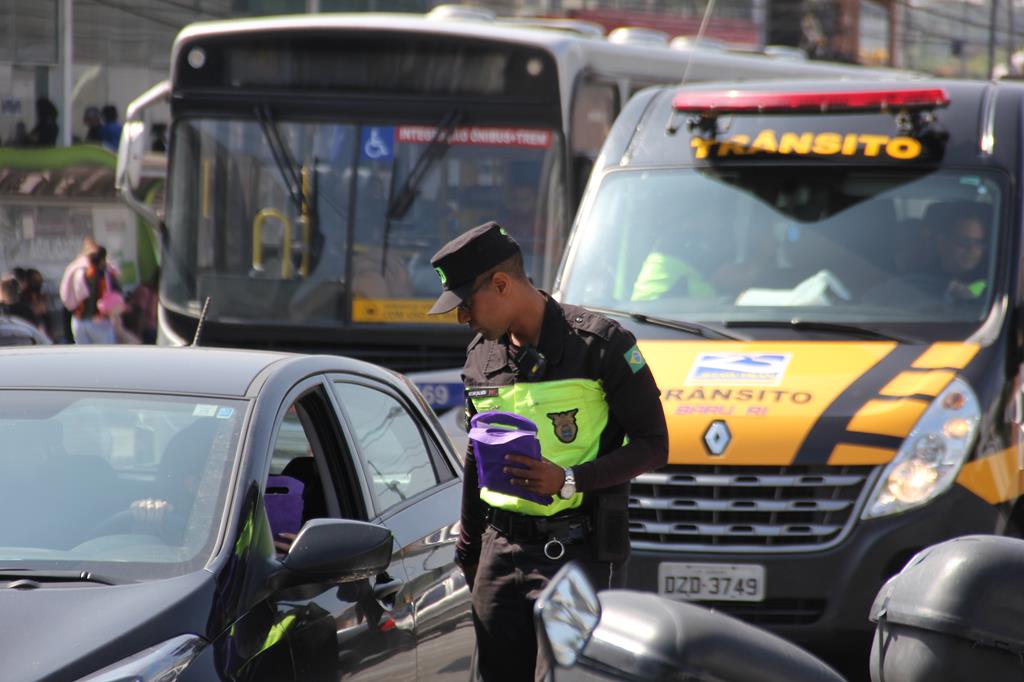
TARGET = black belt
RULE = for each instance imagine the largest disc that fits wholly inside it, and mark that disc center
(516, 527)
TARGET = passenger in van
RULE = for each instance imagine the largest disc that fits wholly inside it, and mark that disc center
(961, 246)
(680, 267)
(665, 274)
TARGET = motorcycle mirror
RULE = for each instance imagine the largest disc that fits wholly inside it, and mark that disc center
(566, 614)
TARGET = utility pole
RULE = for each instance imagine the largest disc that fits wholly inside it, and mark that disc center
(67, 43)
(1011, 35)
(963, 40)
(992, 38)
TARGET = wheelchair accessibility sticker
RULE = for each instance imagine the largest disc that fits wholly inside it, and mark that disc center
(738, 369)
(378, 143)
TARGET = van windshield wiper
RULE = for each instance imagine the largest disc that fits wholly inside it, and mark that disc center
(708, 331)
(818, 326)
(42, 576)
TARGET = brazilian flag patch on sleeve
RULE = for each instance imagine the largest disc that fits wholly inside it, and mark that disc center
(635, 359)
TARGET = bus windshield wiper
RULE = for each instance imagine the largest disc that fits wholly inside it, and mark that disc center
(818, 326)
(708, 331)
(282, 158)
(42, 576)
(401, 200)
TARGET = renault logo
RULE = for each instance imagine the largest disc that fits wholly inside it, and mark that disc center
(717, 437)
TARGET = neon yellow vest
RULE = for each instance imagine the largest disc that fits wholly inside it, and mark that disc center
(570, 415)
(660, 272)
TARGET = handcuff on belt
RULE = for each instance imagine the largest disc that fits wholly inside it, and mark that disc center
(554, 549)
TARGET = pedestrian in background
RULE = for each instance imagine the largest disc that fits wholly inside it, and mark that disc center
(44, 134)
(110, 133)
(582, 380)
(93, 125)
(10, 299)
(92, 293)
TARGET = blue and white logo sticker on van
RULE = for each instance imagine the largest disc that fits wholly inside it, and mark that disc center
(203, 410)
(738, 369)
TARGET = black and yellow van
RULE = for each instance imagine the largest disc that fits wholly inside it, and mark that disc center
(824, 278)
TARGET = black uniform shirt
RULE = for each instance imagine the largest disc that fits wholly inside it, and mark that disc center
(577, 344)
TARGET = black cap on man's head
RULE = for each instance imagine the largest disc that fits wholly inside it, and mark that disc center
(463, 259)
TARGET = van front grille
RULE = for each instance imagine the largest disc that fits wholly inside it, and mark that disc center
(713, 508)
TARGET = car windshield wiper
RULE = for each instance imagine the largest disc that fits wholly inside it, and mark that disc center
(42, 576)
(818, 326)
(696, 328)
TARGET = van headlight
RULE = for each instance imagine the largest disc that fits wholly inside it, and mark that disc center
(161, 663)
(931, 456)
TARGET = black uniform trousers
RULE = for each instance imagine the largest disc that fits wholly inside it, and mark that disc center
(510, 577)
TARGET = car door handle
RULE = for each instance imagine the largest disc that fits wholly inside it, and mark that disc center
(385, 592)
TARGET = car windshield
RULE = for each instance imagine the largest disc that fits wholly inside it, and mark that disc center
(353, 245)
(131, 486)
(774, 244)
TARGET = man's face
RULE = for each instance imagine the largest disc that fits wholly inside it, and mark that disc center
(963, 247)
(484, 311)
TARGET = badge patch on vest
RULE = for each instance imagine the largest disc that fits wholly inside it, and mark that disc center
(565, 425)
(481, 392)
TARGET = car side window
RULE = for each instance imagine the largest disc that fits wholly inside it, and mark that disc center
(395, 455)
(294, 490)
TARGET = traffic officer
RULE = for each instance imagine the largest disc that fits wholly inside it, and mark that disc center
(582, 380)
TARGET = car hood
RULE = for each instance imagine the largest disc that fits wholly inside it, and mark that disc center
(62, 631)
(784, 403)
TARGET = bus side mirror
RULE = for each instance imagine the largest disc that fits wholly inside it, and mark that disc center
(129, 155)
(132, 150)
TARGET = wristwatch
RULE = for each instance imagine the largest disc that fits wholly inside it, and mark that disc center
(569, 486)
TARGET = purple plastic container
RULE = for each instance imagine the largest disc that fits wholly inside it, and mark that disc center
(496, 434)
(283, 500)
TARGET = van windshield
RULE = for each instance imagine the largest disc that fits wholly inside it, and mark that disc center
(773, 244)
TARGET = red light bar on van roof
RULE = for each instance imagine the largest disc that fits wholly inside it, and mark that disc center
(772, 102)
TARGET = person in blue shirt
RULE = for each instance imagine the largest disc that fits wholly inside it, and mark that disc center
(110, 133)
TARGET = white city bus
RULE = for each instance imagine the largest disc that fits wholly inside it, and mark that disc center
(316, 162)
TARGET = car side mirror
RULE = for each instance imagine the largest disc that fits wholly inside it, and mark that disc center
(337, 551)
(567, 613)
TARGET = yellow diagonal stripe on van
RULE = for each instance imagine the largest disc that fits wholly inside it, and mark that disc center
(918, 383)
(769, 410)
(994, 478)
(848, 454)
(888, 417)
(947, 354)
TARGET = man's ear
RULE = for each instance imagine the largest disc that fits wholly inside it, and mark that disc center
(502, 282)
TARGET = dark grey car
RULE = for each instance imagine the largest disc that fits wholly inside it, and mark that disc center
(150, 500)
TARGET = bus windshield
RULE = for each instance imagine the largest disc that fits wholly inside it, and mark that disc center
(320, 223)
(750, 244)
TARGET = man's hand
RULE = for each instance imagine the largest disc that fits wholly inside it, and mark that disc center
(536, 475)
(283, 542)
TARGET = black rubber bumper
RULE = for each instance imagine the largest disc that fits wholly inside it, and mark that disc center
(832, 590)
